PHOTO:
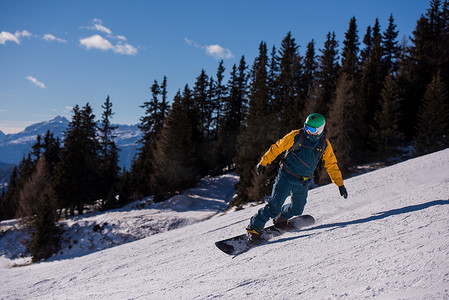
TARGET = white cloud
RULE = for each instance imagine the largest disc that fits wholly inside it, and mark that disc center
(216, 51)
(101, 28)
(22, 33)
(36, 82)
(101, 43)
(98, 25)
(191, 43)
(50, 37)
(16, 37)
(7, 36)
(96, 42)
(125, 49)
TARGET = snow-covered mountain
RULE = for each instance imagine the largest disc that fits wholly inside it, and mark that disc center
(388, 240)
(13, 147)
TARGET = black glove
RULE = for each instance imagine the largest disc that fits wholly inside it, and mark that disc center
(260, 170)
(343, 191)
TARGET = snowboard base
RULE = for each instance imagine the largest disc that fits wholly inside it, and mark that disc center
(239, 244)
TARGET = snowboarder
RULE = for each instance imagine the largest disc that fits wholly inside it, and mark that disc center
(305, 148)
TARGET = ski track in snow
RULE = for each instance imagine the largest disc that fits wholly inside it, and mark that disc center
(388, 240)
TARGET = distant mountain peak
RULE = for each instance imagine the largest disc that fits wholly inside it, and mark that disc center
(14, 146)
(58, 121)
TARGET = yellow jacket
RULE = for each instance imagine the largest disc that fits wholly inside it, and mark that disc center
(330, 161)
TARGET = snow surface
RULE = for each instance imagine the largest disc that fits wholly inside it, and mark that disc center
(388, 240)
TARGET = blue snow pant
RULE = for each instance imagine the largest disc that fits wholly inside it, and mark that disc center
(284, 185)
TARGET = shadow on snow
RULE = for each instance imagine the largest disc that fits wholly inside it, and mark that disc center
(379, 216)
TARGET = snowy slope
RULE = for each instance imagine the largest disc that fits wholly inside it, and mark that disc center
(388, 240)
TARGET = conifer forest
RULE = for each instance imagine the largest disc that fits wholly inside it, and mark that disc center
(383, 98)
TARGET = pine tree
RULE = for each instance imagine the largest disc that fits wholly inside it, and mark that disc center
(314, 102)
(310, 67)
(427, 56)
(219, 97)
(243, 89)
(371, 82)
(126, 188)
(10, 201)
(106, 129)
(142, 166)
(151, 126)
(256, 137)
(390, 46)
(27, 166)
(327, 73)
(109, 169)
(386, 134)
(46, 234)
(341, 125)
(150, 122)
(91, 150)
(433, 118)
(350, 78)
(368, 42)
(288, 96)
(24, 187)
(76, 175)
(19, 177)
(234, 108)
(164, 107)
(51, 151)
(67, 180)
(273, 76)
(376, 29)
(444, 44)
(322, 91)
(36, 148)
(32, 189)
(203, 103)
(2, 203)
(350, 60)
(222, 146)
(176, 152)
(211, 96)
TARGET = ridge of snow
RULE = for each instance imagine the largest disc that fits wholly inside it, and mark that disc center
(388, 240)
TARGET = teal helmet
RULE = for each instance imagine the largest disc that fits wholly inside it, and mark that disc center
(314, 124)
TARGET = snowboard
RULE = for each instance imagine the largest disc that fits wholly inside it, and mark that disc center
(239, 244)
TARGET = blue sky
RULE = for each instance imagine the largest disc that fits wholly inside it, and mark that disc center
(56, 54)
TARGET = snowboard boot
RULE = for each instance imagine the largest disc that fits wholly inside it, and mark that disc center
(253, 235)
(282, 223)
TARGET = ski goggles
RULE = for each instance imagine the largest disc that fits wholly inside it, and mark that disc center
(314, 130)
